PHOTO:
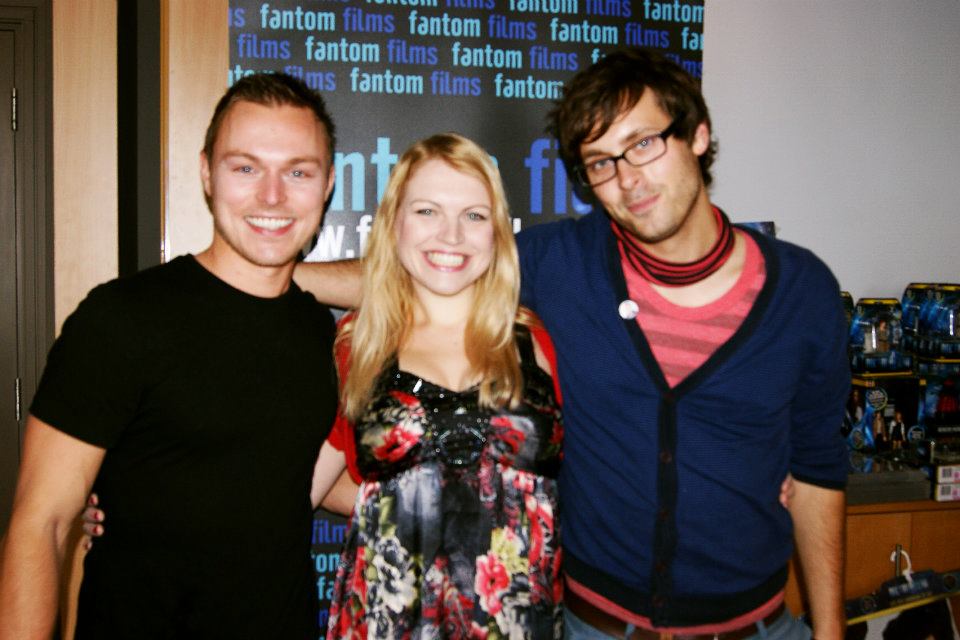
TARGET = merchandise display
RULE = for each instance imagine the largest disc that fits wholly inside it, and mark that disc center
(902, 421)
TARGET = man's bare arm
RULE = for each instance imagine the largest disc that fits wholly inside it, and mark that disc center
(327, 470)
(56, 474)
(336, 284)
(818, 520)
(341, 497)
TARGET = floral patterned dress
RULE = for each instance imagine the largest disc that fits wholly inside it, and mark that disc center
(455, 532)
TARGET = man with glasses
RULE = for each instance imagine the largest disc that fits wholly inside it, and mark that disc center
(700, 363)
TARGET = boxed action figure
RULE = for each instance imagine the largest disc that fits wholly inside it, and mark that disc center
(915, 301)
(938, 323)
(944, 473)
(883, 412)
(940, 404)
(946, 492)
(875, 337)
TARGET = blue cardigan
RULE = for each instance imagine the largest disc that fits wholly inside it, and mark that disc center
(670, 496)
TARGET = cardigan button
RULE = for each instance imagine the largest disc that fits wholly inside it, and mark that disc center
(666, 457)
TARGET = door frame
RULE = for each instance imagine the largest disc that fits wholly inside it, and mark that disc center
(33, 75)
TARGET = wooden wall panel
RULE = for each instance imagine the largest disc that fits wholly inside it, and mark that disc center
(84, 149)
(195, 76)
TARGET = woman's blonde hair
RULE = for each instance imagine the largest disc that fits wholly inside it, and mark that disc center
(378, 329)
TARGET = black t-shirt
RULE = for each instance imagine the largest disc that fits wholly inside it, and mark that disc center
(212, 405)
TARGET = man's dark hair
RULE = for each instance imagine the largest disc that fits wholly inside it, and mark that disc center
(599, 94)
(269, 89)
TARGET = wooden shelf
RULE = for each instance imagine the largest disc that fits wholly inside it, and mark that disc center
(927, 530)
(891, 507)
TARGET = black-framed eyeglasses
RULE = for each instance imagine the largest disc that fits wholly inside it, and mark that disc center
(641, 152)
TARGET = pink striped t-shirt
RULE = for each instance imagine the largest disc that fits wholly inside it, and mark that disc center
(683, 338)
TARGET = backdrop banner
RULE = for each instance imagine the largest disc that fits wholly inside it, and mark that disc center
(395, 71)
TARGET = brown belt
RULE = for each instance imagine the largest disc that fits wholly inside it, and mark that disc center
(603, 621)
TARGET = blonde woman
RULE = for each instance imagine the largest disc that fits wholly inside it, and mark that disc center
(449, 416)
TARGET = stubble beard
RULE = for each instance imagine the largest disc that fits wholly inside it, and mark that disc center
(679, 213)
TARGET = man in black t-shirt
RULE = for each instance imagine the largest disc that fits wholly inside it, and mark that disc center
(193, 398)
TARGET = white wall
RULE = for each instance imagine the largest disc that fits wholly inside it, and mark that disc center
(840, 121)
